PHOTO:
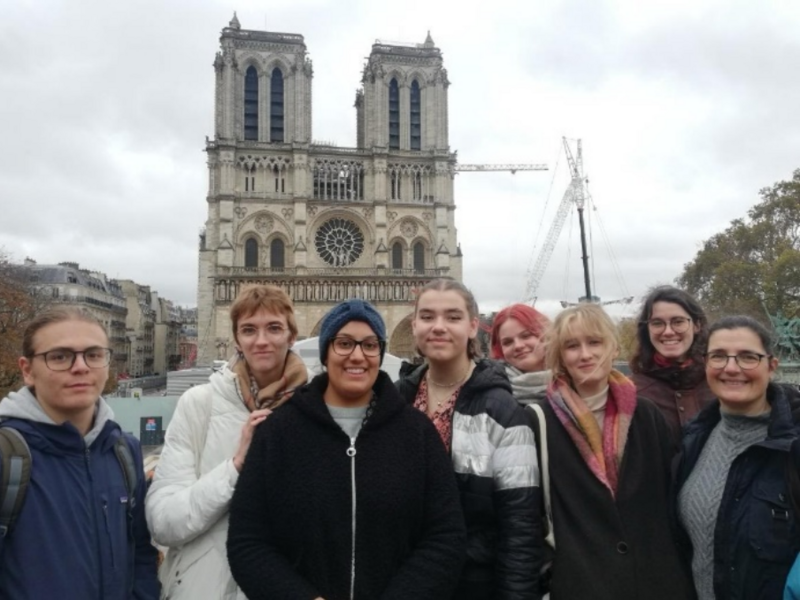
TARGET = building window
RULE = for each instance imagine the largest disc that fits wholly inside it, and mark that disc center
(276, 106)
(395, 185)
(419, 257)
(280, 179)
(251, 104)
(251, 253)
(416, 186)
(397, 255)
(250, 179)
(416, 117)
(276, 254)
(339, 242)
(394, 115)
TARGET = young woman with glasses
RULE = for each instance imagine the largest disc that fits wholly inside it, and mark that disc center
(667, 364)
(490, 443)
(78, 534)
(207, 441)
(733, 497)
(346, 491)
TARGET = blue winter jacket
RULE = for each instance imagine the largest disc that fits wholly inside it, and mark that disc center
(78, 536)
(756, 537)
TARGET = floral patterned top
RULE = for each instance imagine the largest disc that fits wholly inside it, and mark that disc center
(443, 416)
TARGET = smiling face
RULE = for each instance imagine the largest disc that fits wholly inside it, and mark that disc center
(740, 391)
(442, 326)
(72, 394)
(351, 377)
(521, 348)
(587, 358)
(671, 344)
(264, 339)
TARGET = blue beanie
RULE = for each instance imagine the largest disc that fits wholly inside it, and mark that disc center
(341, 314)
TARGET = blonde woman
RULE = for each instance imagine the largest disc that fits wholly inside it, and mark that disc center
(610, 454)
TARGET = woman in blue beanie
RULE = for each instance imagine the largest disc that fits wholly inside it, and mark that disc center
(347, 492)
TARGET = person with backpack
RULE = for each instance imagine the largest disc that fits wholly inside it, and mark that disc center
(207, 441)
(72, 522)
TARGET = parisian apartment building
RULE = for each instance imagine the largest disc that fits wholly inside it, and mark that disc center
(144, 330)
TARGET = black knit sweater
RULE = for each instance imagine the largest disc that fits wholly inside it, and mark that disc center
(291, 516)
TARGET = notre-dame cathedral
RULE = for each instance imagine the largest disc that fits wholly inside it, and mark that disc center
(324, 222)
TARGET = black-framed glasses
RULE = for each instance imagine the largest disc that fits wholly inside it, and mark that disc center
(745, 360)
(62, 359)
(344, 346)
(677, 324)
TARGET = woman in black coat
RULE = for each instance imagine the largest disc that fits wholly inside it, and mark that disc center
(733, 479)
(347, 493)
(609, 462)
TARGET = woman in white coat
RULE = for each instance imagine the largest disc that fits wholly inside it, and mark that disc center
(207, 441)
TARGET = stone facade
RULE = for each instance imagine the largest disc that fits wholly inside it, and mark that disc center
(167, 355)
(140, 326)
(325, 223)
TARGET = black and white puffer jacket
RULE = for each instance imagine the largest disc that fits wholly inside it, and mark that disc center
(494, 458)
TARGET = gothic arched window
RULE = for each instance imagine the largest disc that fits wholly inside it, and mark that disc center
(276, 106)
(397, 255)
(276, 254)
(416, 117)
(251, 104)
(394, 115)
(251, 253)
(419, 257)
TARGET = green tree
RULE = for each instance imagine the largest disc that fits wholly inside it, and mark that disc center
(754, 265)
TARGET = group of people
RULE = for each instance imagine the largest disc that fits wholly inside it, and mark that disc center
(540, 471)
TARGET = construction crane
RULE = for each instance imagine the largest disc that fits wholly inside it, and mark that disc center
(576, 194)
(512, 168)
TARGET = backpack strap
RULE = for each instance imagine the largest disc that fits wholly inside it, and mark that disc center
(544, 466)
(125, 458)
(15, 458)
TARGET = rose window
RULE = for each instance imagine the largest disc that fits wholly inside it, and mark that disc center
(339, 242)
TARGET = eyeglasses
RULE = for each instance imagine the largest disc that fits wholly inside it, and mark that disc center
(745, 360)
(344, 346)
(63, 359)
(677, 324)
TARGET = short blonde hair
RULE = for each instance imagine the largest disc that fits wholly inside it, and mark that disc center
(589, 319)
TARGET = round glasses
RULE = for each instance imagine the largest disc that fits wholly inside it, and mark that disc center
(62, 359)
(344, 346)
(677, 324)
(745, 360)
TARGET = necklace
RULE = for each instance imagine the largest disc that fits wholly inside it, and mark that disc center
(449, 385)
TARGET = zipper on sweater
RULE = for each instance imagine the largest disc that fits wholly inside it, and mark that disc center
(351, 452)
(108, 532)
(87, 459)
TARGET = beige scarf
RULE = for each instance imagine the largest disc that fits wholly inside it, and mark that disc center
(277, 392)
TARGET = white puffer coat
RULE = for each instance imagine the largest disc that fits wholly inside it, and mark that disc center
(187, 505)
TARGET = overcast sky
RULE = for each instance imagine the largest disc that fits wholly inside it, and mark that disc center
(686, 108)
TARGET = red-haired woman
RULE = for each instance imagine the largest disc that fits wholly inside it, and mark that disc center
(517, 333)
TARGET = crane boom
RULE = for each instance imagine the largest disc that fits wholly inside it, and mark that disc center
(512, 168)
(575, 194)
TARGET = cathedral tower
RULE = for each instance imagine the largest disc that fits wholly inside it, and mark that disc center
(324, 222)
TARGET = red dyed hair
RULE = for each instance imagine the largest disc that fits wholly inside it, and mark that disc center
(530, 318)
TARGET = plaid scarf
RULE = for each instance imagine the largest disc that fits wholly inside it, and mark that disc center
(602, 450)
(276, 393)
